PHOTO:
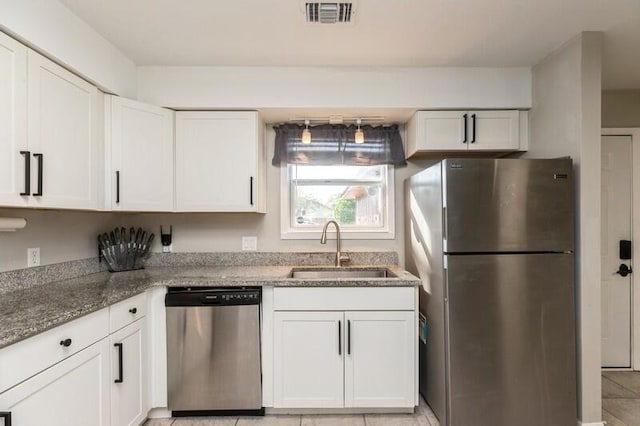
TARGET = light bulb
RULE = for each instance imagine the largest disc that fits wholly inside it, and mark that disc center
(306, 133)
(306, 136)
(359, 136)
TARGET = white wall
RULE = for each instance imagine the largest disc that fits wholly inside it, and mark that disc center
(61, 236)
(314, 87)
(50, 28)
(621, 108)
(565, 120)
(205, 232)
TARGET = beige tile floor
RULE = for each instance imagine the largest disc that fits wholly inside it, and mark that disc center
(422, 417)
(621, 398)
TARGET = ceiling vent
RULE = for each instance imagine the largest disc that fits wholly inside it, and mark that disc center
(329, 13)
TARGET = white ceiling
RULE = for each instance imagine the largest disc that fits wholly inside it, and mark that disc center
(492, 33)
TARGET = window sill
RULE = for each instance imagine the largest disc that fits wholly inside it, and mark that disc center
(344, 235)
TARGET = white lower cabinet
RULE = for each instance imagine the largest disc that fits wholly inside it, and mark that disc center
(379, 361)
(309, 363)
(128, 390)
(346, 359)
(81, 373)
(73, 392)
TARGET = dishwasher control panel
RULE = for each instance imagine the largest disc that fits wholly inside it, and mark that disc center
(190, 296)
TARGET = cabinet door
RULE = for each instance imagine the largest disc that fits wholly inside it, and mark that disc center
(380, 359)
(141, 145)
(72, 392)
(62, 127)
(217, 161)
(494, 130)
(308, 359)
(13, 121)
(128, 381)
(440, 131)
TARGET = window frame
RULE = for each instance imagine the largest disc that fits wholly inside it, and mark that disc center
(288, 232)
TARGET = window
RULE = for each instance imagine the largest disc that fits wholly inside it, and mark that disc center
(359, 198)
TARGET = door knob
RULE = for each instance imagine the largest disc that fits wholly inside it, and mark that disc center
(624, 270)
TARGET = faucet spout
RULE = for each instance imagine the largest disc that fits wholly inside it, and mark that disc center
(323, 240)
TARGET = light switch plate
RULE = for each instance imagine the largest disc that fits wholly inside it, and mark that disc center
(33, 257)
(249, 243)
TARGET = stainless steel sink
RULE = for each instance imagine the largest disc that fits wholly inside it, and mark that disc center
(314, 273)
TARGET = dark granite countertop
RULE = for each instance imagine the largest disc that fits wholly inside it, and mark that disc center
(29, 311)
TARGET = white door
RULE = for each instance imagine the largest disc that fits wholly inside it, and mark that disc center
(494, 130)
(62, 134)
(380, 359)
(308, 359)
(141, 144)
(616, 225)
(217, 161)
(73, 392)
(13, 122)
(128, 384)
(441, 131)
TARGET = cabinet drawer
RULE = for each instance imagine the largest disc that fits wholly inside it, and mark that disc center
(24, 359)
(124, 313)
(344, 298)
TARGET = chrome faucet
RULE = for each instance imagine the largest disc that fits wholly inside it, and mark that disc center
(340, 258)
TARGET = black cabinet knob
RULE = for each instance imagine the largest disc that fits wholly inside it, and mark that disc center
(133, 310)
(66, 343)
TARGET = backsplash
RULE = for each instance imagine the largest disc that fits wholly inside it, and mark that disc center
(31, 277)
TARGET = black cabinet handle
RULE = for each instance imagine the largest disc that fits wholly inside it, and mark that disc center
(40, 158)
(6, 415)
(66, 343)
(251, 190)
(133, 310)
(117, 186)
(120, 372)
(339, 337)
(473, 126)
(27, 172)
(348, 337)
(464, 129)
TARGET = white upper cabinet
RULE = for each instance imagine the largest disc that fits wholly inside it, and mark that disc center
(13, 122)
(493, 130)
(139, 156)
(220, 162)
(455, 131)
(62, 136)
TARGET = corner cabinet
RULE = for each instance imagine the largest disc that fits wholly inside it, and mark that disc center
(62, 137)
(49, 142)
(91, 371)
(72, 392)
(498, 131)
(13, 122)
(139, 151)
(220, 162)
(344, 348)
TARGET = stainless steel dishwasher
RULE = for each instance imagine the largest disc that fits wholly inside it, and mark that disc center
(213, 351)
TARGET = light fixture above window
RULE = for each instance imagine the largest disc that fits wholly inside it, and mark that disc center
(359, 136)
(306, 133)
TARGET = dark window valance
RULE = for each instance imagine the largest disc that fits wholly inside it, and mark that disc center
(334, 144)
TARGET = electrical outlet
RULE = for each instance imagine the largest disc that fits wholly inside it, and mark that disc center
(33, 256)
(250, 243)
(167, 249)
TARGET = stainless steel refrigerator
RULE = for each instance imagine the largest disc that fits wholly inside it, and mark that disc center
(493, 241)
